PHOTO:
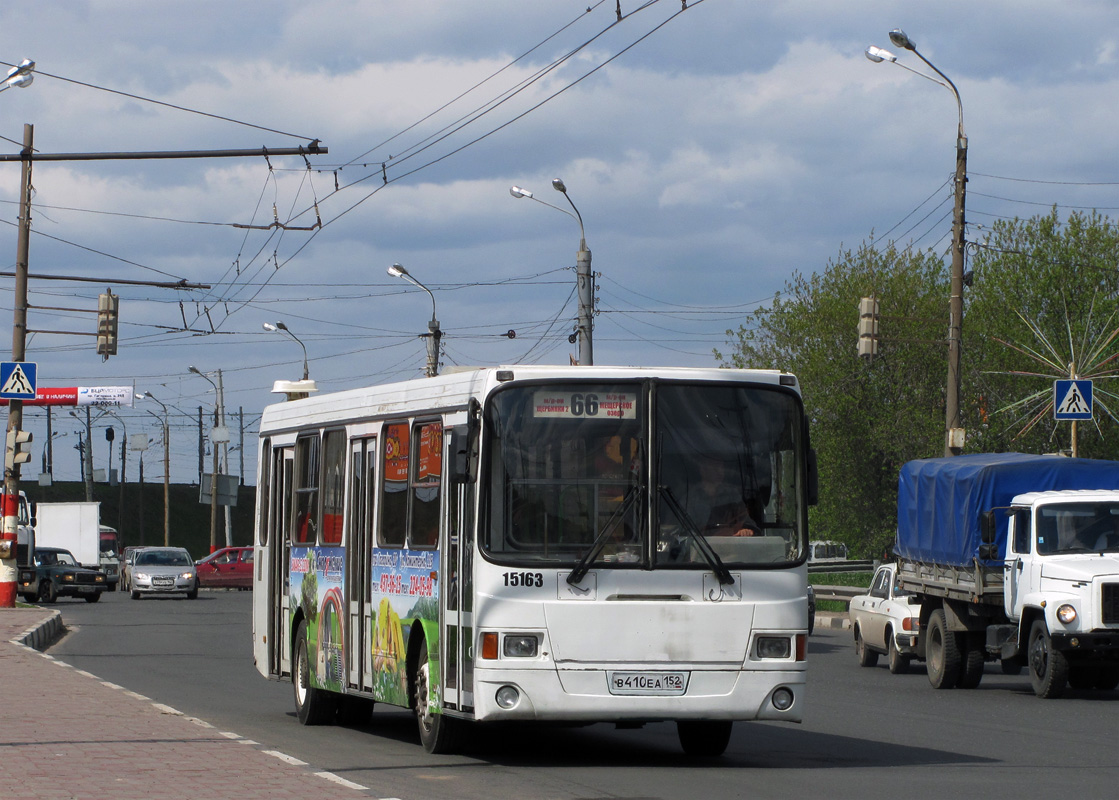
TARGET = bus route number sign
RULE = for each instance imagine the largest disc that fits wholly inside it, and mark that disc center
(584, 405)
(648, 683)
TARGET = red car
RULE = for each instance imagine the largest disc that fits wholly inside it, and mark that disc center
(230, 567)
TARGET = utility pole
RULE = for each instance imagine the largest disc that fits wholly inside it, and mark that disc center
(10, 502)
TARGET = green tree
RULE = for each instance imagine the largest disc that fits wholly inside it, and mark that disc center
(867, 418)
(1050, 287)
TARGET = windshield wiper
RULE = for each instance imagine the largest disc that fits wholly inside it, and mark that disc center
(717, 565)
(580, 571)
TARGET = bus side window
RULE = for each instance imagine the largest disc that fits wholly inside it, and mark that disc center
(427, 471)
(333, 486)
(305, 530)
(394, 490)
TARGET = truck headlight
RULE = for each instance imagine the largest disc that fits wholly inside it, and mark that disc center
(1066, 614)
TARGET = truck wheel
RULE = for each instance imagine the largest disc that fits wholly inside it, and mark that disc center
(312, 706)
(899, 662)
(1107, 678)
(866, 656)
(942, 655)
(93, 598)
(974, 659)
(47, 592)
(1048, 667)
(704, 738)
(438, 732)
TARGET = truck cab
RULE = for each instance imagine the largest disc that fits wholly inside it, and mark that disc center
(1062, 567)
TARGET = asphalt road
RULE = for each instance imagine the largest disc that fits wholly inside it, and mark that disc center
(867, 733)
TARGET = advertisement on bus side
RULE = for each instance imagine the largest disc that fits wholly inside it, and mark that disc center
(405, 590)
(316, 588)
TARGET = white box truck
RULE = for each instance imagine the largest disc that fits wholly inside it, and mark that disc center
(75, 527)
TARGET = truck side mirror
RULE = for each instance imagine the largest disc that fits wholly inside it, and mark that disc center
(987, 533)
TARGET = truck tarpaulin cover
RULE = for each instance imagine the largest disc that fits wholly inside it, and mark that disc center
(940, 500)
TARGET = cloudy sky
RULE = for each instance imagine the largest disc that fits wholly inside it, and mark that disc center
(713, 152)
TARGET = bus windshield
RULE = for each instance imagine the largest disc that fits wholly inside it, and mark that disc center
(645, 475)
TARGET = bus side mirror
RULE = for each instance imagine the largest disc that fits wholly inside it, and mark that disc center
(463, 455)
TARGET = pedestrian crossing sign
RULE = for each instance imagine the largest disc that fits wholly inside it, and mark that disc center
(1072, 400)
(18, 380)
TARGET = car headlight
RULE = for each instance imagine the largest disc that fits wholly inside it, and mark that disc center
(1066, 614)
(69, 576)
(187, 576)
(142, 576)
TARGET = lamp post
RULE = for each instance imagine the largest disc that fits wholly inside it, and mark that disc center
(433, 332)
(166, 469)
(583, 275)
(279, 326)
(219, 422)
(953, 431)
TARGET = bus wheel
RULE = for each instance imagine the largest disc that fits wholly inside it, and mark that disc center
(312, 706)
(438, 732)
(704, 738)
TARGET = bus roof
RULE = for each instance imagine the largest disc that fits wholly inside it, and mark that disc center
(454, 388)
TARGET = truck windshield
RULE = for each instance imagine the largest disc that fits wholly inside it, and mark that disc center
(629, 475)
(1078, 528)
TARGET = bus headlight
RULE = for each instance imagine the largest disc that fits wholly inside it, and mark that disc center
(1066, 614)
(507, 697)
(773, 647)
(520, 646)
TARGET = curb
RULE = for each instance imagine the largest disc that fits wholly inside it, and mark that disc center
(827, 619)
(43, 634)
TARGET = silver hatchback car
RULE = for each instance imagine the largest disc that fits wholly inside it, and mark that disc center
(163, 570)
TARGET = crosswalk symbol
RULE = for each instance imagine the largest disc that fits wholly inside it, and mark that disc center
(17, 380)
(1072, 400)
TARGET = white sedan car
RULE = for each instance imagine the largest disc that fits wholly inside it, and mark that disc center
(885, 621)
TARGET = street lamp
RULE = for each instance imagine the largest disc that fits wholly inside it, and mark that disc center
(433, 332)
(219, 423)
(583, 274)
(20, 75)
(954, 432)
(166, 469)
(279, 326)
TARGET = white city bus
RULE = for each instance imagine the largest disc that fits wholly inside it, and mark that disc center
(583, 544)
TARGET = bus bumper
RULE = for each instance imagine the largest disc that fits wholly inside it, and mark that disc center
(585, 696)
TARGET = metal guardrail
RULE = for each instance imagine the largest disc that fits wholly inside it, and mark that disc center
(842, 566)
(839, 594)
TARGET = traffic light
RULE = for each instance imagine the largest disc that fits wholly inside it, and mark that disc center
(17, 451)
(107, 307)
(868, 327)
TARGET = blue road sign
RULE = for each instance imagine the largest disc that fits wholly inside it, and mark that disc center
(1072, 400)
(18, 380)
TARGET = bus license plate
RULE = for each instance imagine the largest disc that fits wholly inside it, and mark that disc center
(650, 683)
